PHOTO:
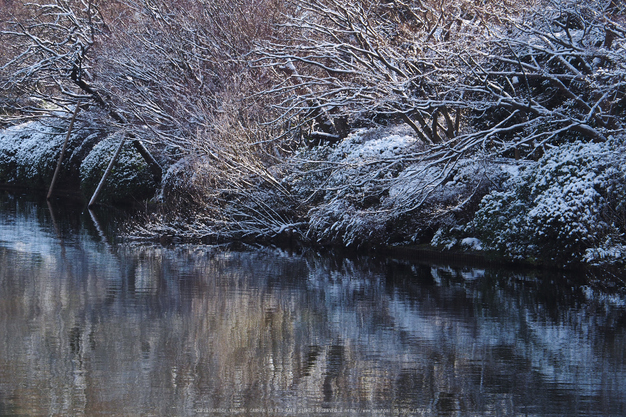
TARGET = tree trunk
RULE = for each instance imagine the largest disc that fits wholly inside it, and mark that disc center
(67, 138)
(107, 172)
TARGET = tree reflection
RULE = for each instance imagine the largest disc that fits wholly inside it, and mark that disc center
(87, 328)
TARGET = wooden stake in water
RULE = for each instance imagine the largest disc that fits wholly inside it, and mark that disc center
(108, 171)
(67, 138)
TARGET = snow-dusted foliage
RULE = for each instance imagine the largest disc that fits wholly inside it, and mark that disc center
(375, 188)
(568, 207)
(29, 152)
(354, 183)
(372, 188)
(130, 179)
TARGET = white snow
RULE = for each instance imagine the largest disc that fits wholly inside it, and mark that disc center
(30, 147)
(567, 205)
(472, 243)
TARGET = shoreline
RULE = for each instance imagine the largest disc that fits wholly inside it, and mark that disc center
(411, 252)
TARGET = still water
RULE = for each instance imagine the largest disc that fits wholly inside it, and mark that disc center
(93, 327)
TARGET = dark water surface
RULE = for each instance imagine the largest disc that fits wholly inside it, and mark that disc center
(91, 327)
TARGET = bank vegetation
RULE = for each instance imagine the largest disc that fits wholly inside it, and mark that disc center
(484, 125)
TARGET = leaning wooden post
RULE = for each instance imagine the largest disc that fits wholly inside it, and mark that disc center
(67, 138)
(108, 171)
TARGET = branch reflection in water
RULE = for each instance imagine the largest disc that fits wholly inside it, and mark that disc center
(90, 326)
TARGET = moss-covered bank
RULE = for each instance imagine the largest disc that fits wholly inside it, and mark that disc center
(29, 153)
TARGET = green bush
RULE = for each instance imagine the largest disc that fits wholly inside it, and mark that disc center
(129, 180)
(29, 153)
(568, 207)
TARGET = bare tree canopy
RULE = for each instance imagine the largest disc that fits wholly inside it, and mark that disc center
(461, 73)
(156, 67)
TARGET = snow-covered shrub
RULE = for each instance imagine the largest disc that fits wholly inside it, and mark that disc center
(446, 188)
(29, 152)
(349, 182)
(567, 207)
(187, 184)
(130, 179)
(375, 187)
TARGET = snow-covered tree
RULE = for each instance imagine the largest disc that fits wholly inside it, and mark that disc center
(463, 74)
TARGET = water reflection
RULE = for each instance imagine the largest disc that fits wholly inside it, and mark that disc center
(91, 327)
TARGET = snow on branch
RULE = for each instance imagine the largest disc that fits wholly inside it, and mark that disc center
(453, 71)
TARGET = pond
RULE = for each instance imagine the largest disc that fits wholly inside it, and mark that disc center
(91, 326)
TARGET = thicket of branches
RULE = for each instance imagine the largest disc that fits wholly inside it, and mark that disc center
(230, 86)
(499, 79)
(459, 72)
(172, 74)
